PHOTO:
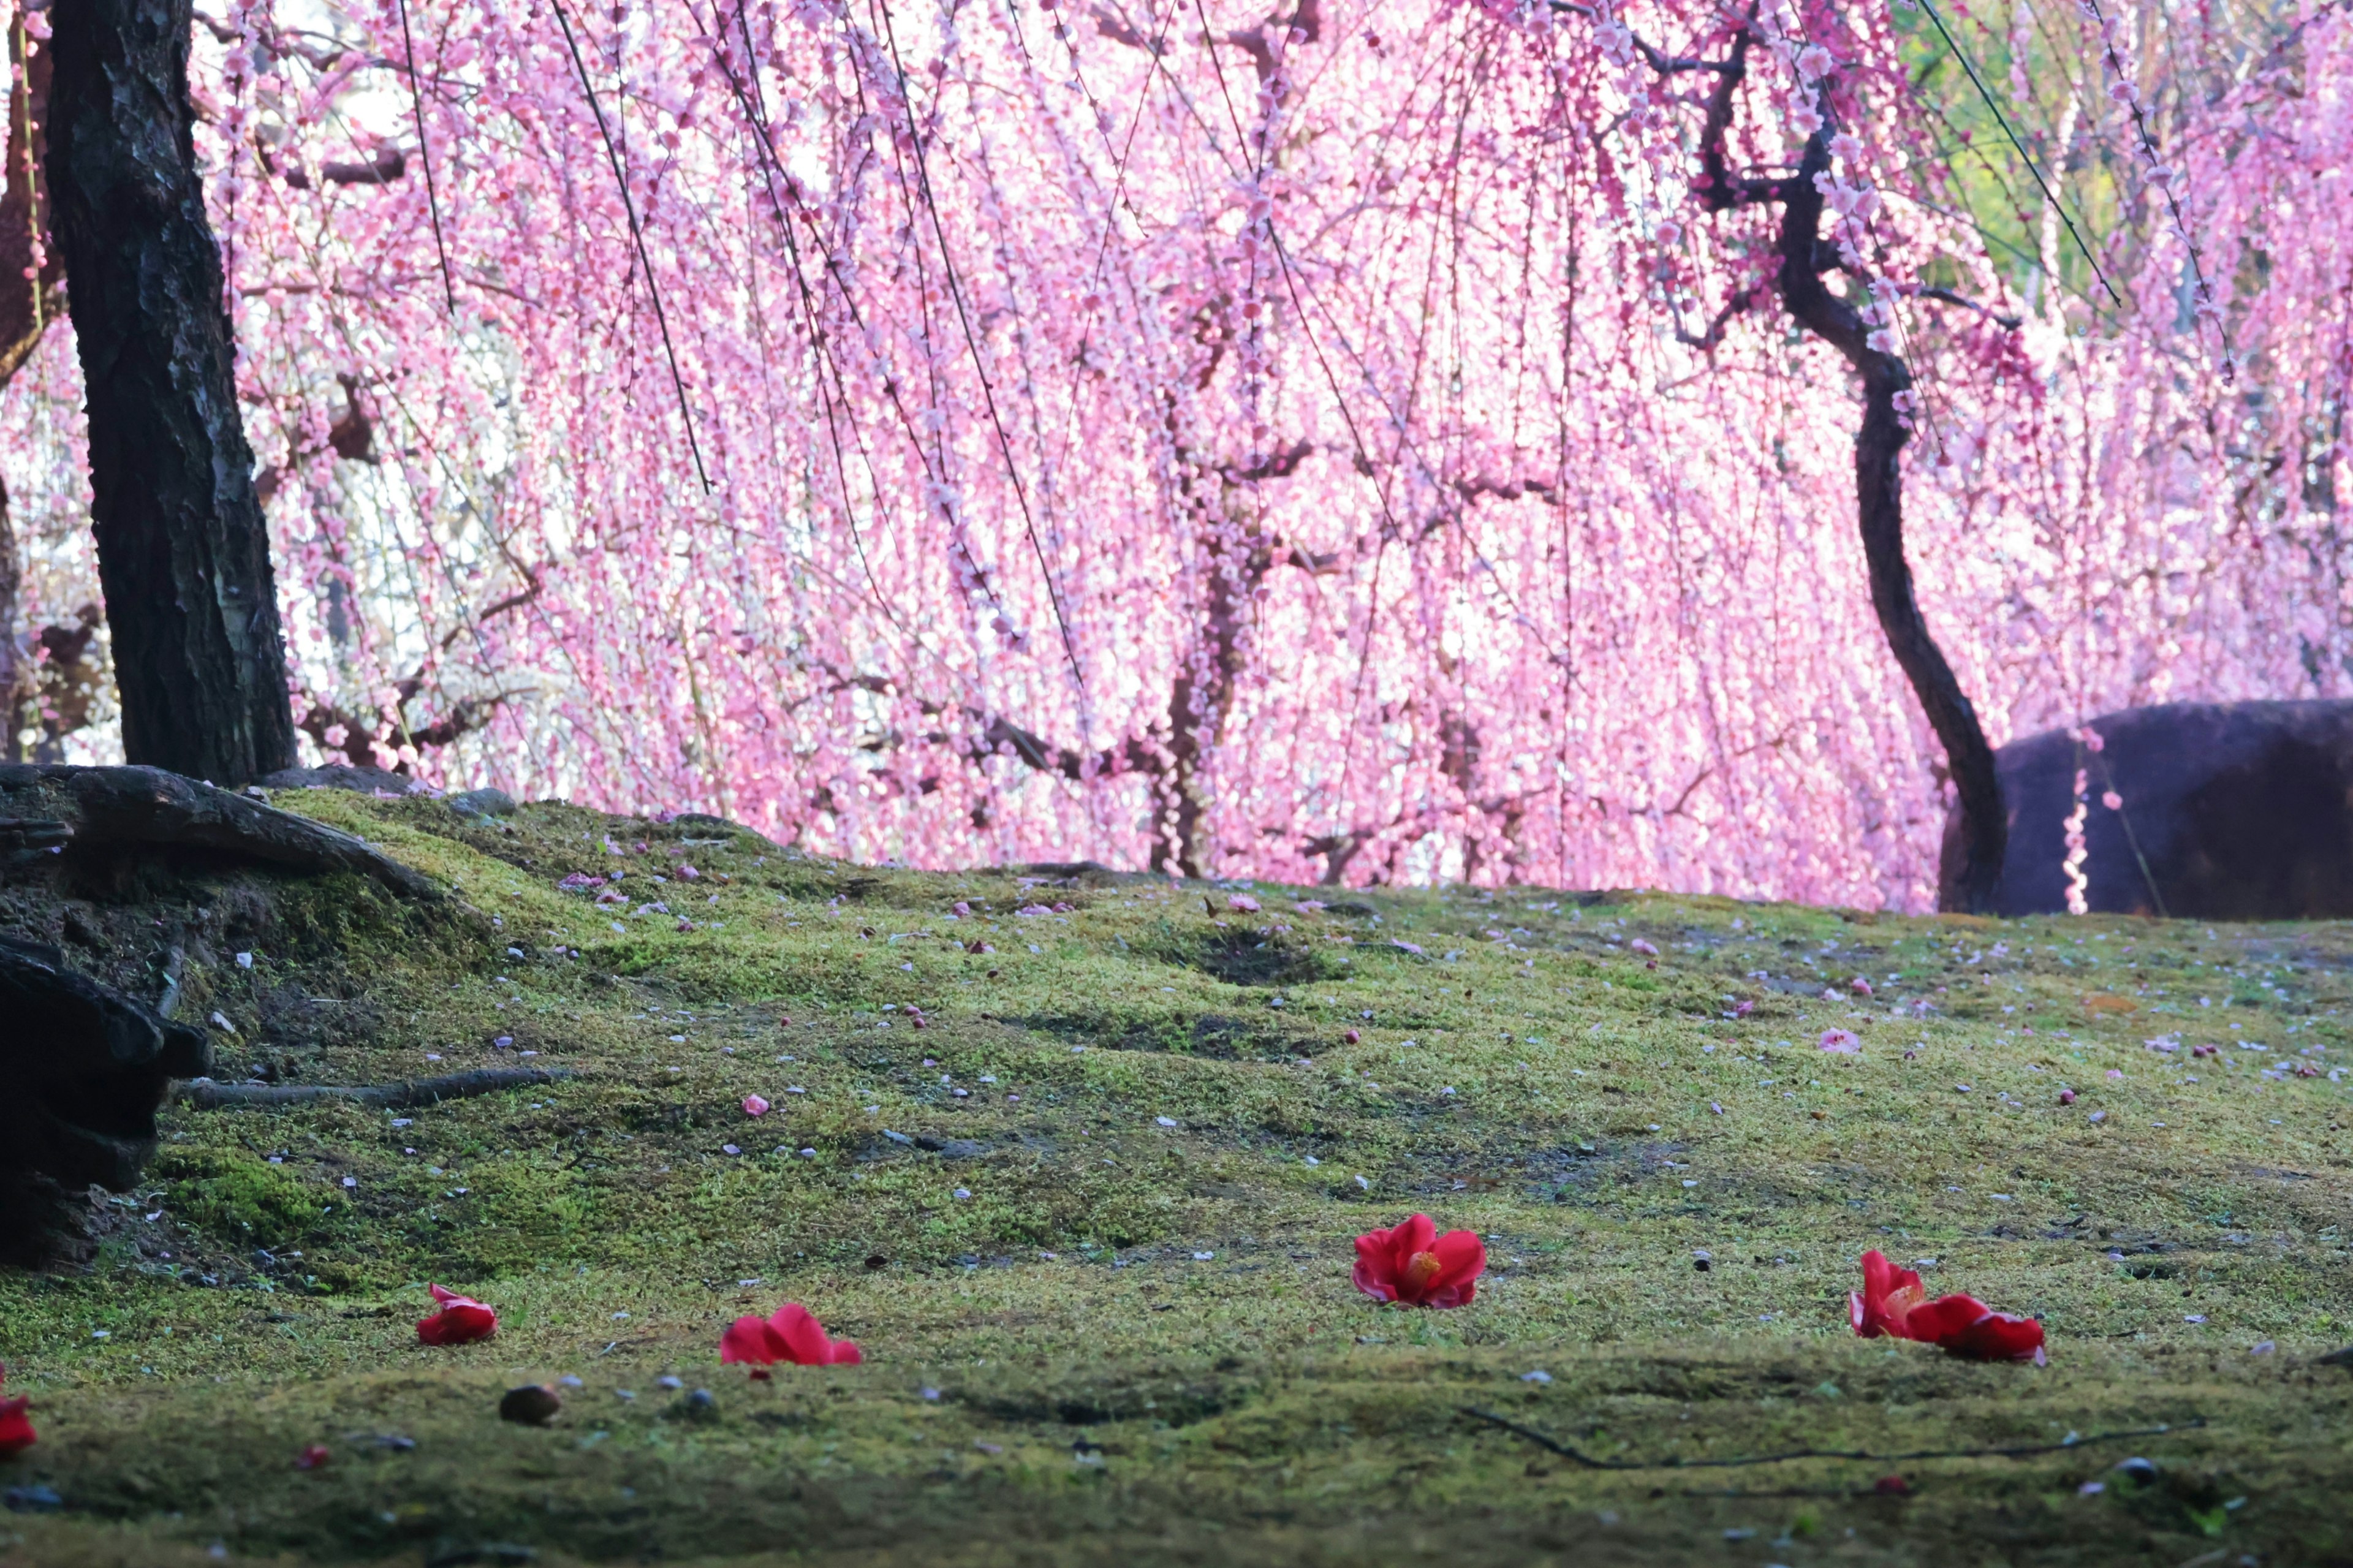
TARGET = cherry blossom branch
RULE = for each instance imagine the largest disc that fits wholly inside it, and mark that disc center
(2161, 175)
(2008, 323)
(637, 237)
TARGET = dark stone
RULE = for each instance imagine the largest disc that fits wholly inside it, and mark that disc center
(83, 1069)
(532, 1404)
(337, 775)
(952, 1148)
(476, 804)
(2231, 811)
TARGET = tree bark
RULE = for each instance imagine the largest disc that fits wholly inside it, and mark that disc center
(1968, 881)
(183, 551)
(1879, 508)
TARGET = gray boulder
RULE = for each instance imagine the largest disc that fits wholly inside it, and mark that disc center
(2230, 811)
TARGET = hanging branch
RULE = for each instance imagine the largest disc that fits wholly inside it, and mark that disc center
(2021, 1451)
(2024, 157)
(424, 156)
(979, 366)
(637, 237)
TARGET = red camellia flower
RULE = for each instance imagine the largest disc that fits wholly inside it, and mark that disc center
(1894, 1303)
(460, 1322)
(313, 1457)
(793, 1335)
(16, 1426)
(1411, 1263)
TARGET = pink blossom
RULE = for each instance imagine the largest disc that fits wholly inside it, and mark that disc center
(1242, 902)
(1843, 1041)
(754, 1105)
(1007, 644)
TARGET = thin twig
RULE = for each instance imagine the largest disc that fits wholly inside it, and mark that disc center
(2003, 121)
(424, 156)
(971, 344)
(1554, 1445)
(2009, 323)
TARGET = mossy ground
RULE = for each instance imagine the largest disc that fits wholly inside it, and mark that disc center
(1107, 1312)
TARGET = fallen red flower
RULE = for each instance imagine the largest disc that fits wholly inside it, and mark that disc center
(313, 1457)
(17, 1432)
(1412, 1264)
(793, 1335)
(460, 1322)
(1894, 1303)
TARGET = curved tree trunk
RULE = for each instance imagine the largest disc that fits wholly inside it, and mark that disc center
(1981, 827)
(183, 551)
(1969, 884)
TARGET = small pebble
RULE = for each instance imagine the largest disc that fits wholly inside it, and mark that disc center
(532, 1404)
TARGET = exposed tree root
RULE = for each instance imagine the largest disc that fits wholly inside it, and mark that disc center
(85, 813)
(206, 1095)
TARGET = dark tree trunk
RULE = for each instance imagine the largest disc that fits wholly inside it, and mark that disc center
(182, 549)
(1984, 837)
(1980, 837)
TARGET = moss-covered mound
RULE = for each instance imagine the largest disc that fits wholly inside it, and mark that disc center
(1077, 1159)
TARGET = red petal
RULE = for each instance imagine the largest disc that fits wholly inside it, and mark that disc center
(1872, 1312)
(1373, 1275)
(1386, 1253)
(1999, 1336)
(1462, 1258)
(462, 1323)
(15, 1428)
(1415, 1234)
(801, 1334)
(845, 1353)
(747, 1340)
(1942, 1320)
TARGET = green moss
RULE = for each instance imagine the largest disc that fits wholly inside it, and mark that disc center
(240, 1199)
(1120, 1256)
